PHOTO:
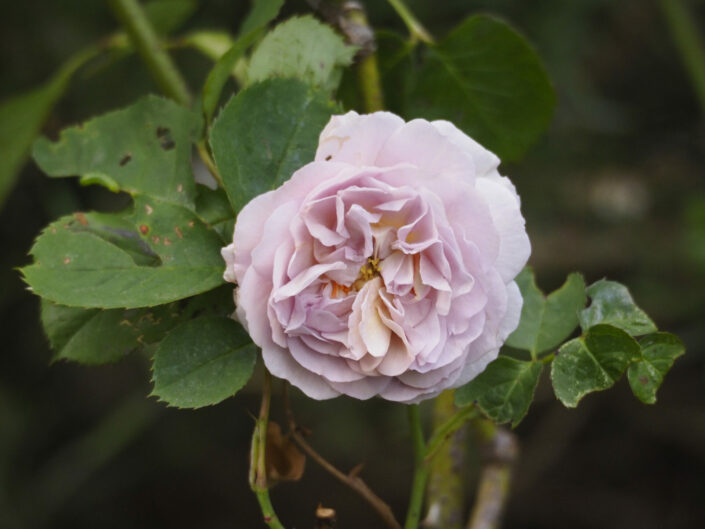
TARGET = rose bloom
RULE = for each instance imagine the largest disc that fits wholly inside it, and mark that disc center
(384, 267)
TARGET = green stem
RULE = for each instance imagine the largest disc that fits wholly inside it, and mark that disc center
(416, 29)
(690, 46)
(446, 455)
(421, 468)
(369, 80)
(258, 467)
(144, 38)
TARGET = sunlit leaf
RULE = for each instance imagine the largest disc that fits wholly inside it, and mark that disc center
(304, 48)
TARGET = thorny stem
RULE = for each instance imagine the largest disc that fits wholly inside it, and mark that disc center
(416, 29)
(446, 451)
(500, 450)
(690, 46)
(421, 469)
(137, 25)
(258, 468)
(351, 479)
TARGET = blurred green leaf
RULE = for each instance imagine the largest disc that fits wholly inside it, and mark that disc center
(169, 254)
(396, 65)
(611, 303)
(659, 351)
(504, 390)
(211, 43)
(22, 117)
(592, 363)
(202, 362)
(168, 15)
(304, 48)
(261, 14)
(486, 78)
(547, 321)
(265, 133)
(218, 76)
(142, 149)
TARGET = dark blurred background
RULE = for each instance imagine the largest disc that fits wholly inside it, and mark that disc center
(616, 188)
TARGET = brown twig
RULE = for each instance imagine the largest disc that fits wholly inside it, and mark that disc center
(351, 479)
(500, 450)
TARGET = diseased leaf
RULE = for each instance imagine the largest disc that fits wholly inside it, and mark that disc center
(486, 78)
(265, 133)
(304, 48)
(546, 321)
(142, 149)
(261, 14)
(157, 254)
(202, 362)
(659, 351)
(504, 390)
(611, 303)
(592, 363)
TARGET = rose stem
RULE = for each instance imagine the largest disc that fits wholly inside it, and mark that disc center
(144, 38)
(351, 479)
(258, 468)
(500, 449)
(421, 469)
(446, 493)
(416, 29)
(350, 18)
(690, 46)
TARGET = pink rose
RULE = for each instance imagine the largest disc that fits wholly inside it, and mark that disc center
(384, 267)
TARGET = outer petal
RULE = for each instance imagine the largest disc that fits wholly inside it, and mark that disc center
(514, 245)
(356, 139)
(486, 162)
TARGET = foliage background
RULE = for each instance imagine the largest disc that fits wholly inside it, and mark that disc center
(616, 188)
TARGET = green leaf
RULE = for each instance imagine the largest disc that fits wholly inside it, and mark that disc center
(613, 304)
(225, 66)
(304, 48)
(88, 336)
(203, 362)
(659, 351)
(158, 254)
(261, 14)
(95, 336)
(211, 43)
(504, 390)
(265, 133)
(142, 149)
(22, 117)
(546, 321)
(214, 208)
(486, 78)
(592, 363)
(396, 65)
